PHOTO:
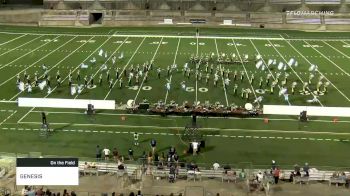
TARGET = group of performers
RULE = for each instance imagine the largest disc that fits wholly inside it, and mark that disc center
(205, 69)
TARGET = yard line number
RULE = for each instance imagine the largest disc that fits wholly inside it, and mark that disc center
(199, 43)
(274, 45)
(120, 42)
(201, 89)
(145, 88)
(188, 89)
(312, 46)
(156, 43)
(49, 40)
(86, 41)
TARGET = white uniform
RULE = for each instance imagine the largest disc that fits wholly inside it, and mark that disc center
(227, 81)
(183, 86)
(167, 85)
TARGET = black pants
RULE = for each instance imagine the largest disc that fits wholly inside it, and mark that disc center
(276, 180)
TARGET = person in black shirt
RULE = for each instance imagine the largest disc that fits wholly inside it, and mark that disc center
(98, 153)
(153, 145)
(131, 154)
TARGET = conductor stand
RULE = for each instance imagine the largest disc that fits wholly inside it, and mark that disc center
(90, 111)
(303, 116)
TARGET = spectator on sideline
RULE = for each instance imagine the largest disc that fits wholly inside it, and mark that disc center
(273, 165)
(306, 169)
(40, 192)
(259, 177)
(136, 139)
(172, 151)
(132, 194)
(149, 158)
(120, 165)
(153, 145)
(115, 155)
(276, 174)
(216, 166)
(106, 153)
(73, 193)
(139, 193)
(98, 153)
(297, 170)
(131, 154)
(242, 175)
(48, 192)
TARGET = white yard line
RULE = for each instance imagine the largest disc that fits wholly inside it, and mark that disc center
(171, 134)
(65, 78)
(93, 76)
(196, 72)
(245, 70)
(11, 40)
(337, 50)
(171, 76)
(154, 55)
(14, 112)
(37, 61)
(27, 54)
(319, 72)
(115, 82)
(268, 67)
(346, 73)
(25, 43)
(223, 84)
(51, 67)
(285, 61)
(206, 129)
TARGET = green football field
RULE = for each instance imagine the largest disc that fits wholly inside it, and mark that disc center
(321, 142)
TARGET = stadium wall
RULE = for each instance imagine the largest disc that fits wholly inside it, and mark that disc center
(80, 18)
(21, 17)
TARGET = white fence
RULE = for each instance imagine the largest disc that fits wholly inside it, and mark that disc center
(65, 103)
(311, 110)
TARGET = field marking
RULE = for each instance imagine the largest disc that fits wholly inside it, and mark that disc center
(245, 70)
(115, 82)
(65, 78)
(294, 71)
(37, 61)
(11, 40)
(206, 129)
(337, 50)
(319, 71)
(8, 117)
(268, 67)
(150, 36)
(21, 45)
(196, 71)
(7, 64)
(172, 134)
(217, 53)
(146, 74)
(346, 73)
(200, 117)
(171, 76)
(51, 67)
(106, 61)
